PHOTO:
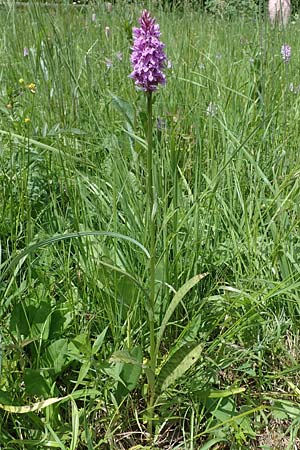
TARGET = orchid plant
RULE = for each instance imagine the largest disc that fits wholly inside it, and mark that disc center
(148, 60)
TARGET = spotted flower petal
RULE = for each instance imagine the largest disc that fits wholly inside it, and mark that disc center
(147, 58)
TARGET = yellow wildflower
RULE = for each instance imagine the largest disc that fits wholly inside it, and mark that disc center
(27, 120)
(21, 81)
(31, 87)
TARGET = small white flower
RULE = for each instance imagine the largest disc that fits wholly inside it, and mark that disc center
(108, 63)
(212, 109)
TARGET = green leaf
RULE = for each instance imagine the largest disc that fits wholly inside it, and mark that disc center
(55, 436)
(56, 356)
(222, 409)
(38, 443)
(84, 369)
(59, 318)
(177, 364)
(131, 372)
(79, 346)
(212, 442)
(5, 398)
(285, 410)
(174, 303)
(124, 356)
(124, 107)
(35, 383)
(137, 138)
(29, 408)
(40, 319)
(24, 409)
(75, 426)
(99, 341)
(19, 321)
(31, 318)
(216, 393)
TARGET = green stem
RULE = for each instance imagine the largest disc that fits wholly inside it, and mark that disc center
(174, 163)
(151, 229)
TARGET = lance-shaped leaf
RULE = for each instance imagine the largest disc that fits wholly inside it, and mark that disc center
(24, 409)
(177, 364)
(174, 303)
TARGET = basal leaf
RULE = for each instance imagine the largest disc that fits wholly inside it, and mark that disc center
(24, 409)
(56, 356)
(177, 365)
(35, 383)
(75, 426)
(175, 302)
(29, 408)
(131, 372)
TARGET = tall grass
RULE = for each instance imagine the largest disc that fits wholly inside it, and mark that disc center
(75, 251)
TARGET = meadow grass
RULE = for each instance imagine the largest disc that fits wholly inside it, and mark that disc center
(74, 258)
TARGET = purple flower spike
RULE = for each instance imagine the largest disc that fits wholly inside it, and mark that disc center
(147, 58)
(286, 52)
(25, 52)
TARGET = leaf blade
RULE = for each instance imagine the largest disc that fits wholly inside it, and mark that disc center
(177, 364)
(175, 302)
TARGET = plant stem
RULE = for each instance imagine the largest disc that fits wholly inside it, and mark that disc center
(151, 230)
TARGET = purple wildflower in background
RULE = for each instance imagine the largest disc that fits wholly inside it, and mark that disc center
(25, 52)
(161, 124)
(119, 56)
(286, 52)
(148, 58)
